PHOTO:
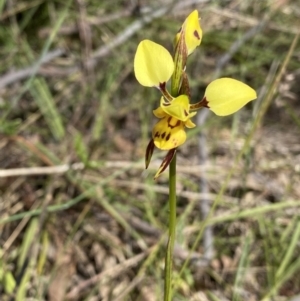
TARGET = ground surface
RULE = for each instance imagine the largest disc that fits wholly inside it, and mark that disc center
(80, 219)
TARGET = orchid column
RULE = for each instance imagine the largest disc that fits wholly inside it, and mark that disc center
(154, 66)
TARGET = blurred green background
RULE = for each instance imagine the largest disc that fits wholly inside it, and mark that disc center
(80, 219)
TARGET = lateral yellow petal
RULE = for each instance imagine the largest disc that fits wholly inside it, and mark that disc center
(159, 113)
(168, 133)
(153, 64)
(189, 124)
(225, 96)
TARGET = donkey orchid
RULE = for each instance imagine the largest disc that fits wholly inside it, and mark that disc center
(154, 66)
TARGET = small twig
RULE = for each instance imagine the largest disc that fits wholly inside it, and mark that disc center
(115, 271)
(14, 76)
(59, 169)
(131, 286)
(164, 190)
(43, 170)
(146, 228)
(33, 149)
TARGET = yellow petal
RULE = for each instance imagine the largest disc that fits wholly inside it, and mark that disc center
(159, 113)
(153, 64)
(189, 124)
(178, 108)
(192, 30)
(225, 96)
(168, 133)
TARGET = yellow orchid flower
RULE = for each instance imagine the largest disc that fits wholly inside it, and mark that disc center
(169, 133)
(154, 66)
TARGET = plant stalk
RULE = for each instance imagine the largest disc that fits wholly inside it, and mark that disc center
(172, 231)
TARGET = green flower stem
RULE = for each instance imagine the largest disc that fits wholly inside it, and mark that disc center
(172, 230)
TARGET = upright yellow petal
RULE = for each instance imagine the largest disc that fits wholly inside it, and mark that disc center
(153, 64)
(225, 96)
(192, 31)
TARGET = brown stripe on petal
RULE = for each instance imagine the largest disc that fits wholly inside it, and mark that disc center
(166, 104)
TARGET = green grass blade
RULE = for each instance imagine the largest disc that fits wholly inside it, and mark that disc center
(28, 239)
(241, 269)
(289, 253)
(46, 104)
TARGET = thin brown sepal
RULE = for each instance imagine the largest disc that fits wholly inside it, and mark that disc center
(149, 152)
(185, 86)
(165, 163)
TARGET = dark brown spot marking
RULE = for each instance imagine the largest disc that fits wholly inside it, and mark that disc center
(168, 137)
(196, 34)
(186, 113)
(163, 135)
(156, 135)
